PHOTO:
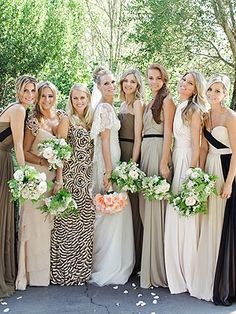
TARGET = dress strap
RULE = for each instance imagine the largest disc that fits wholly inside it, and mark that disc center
(212, 140)
(5, 133)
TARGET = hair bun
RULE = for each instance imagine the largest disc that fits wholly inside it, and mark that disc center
(98, 72)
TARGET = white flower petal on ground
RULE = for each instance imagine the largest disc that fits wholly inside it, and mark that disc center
(115, 287)
(154, 301)
(126, 291)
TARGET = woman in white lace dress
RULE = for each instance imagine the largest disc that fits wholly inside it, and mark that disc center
(113, 253)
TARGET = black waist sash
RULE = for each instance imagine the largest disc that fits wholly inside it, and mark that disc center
(153, 135)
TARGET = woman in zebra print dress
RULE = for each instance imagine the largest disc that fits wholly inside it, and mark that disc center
(72, 237)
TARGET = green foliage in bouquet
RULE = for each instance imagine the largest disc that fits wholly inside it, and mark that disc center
(127, 176)
(61, 204)
(155, 188)
(28, 184)
(194, 192)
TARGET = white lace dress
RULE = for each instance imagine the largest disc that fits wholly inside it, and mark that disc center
(113, 253)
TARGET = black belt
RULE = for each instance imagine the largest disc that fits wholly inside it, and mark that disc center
(153, 135)
(126, 140)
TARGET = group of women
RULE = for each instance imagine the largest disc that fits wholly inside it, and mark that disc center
(194, 254)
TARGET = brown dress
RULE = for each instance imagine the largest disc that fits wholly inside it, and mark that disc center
(126, 138)
(152, 212)
(7, 228)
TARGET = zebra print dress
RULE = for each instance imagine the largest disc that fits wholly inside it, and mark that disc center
(72, 238)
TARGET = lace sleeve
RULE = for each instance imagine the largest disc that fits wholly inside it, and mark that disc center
(33, 124)
(104, 118)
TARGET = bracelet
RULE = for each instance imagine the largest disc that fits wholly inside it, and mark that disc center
(58, 182)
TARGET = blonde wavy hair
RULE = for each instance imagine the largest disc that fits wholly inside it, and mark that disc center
(220, 78)
(41, 86)
(139, 93)
(198, 100)
(87, 120)
(20, 85)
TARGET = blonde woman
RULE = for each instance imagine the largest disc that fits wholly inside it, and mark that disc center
(72, 238)
(35, 227)
(11, 135)
(182, 233)
(130, 138)
(214, 276)
(113, 254)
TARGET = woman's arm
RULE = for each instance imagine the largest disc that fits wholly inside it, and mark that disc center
(168, 117)
(29, 156)
(138, 126)
(63, 128)
(195, 127)
(62, 132)
(105, 137)
(231, 127)
(17, 120)
(203, 152)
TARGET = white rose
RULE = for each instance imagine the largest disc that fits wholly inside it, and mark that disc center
(164, 187)
(42, 187)
(25, 192)
(61, 209)
(48, 153)
(194, 175)
(190, 201)
(47, 201)
(123, 176)
(52, 159)
(19, 175)
(133, 174)
(190, 184)
(35, 195)
(42, 176)
(62, 142)
(189, 172)
(206, 177)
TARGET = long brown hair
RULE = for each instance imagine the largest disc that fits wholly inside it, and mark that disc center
(198, 100)
(162, 93)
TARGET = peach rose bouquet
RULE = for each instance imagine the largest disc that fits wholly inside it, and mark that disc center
(110, 203)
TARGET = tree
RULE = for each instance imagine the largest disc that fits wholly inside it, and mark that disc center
(36, 38)
(183, 35)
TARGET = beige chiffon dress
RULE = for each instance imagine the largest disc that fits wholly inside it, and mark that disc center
(211, 223)
(152, 212)
(181, 233)
(34, 228)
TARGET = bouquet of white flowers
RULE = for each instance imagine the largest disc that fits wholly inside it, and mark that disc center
(127, 176)
(195, 189)
(61, 204)
(28, 184)
(155, 188)
(56, 151)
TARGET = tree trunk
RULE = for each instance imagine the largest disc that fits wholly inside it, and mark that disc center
(233, 100)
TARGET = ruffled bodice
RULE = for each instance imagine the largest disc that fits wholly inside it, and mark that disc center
(104, 118)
